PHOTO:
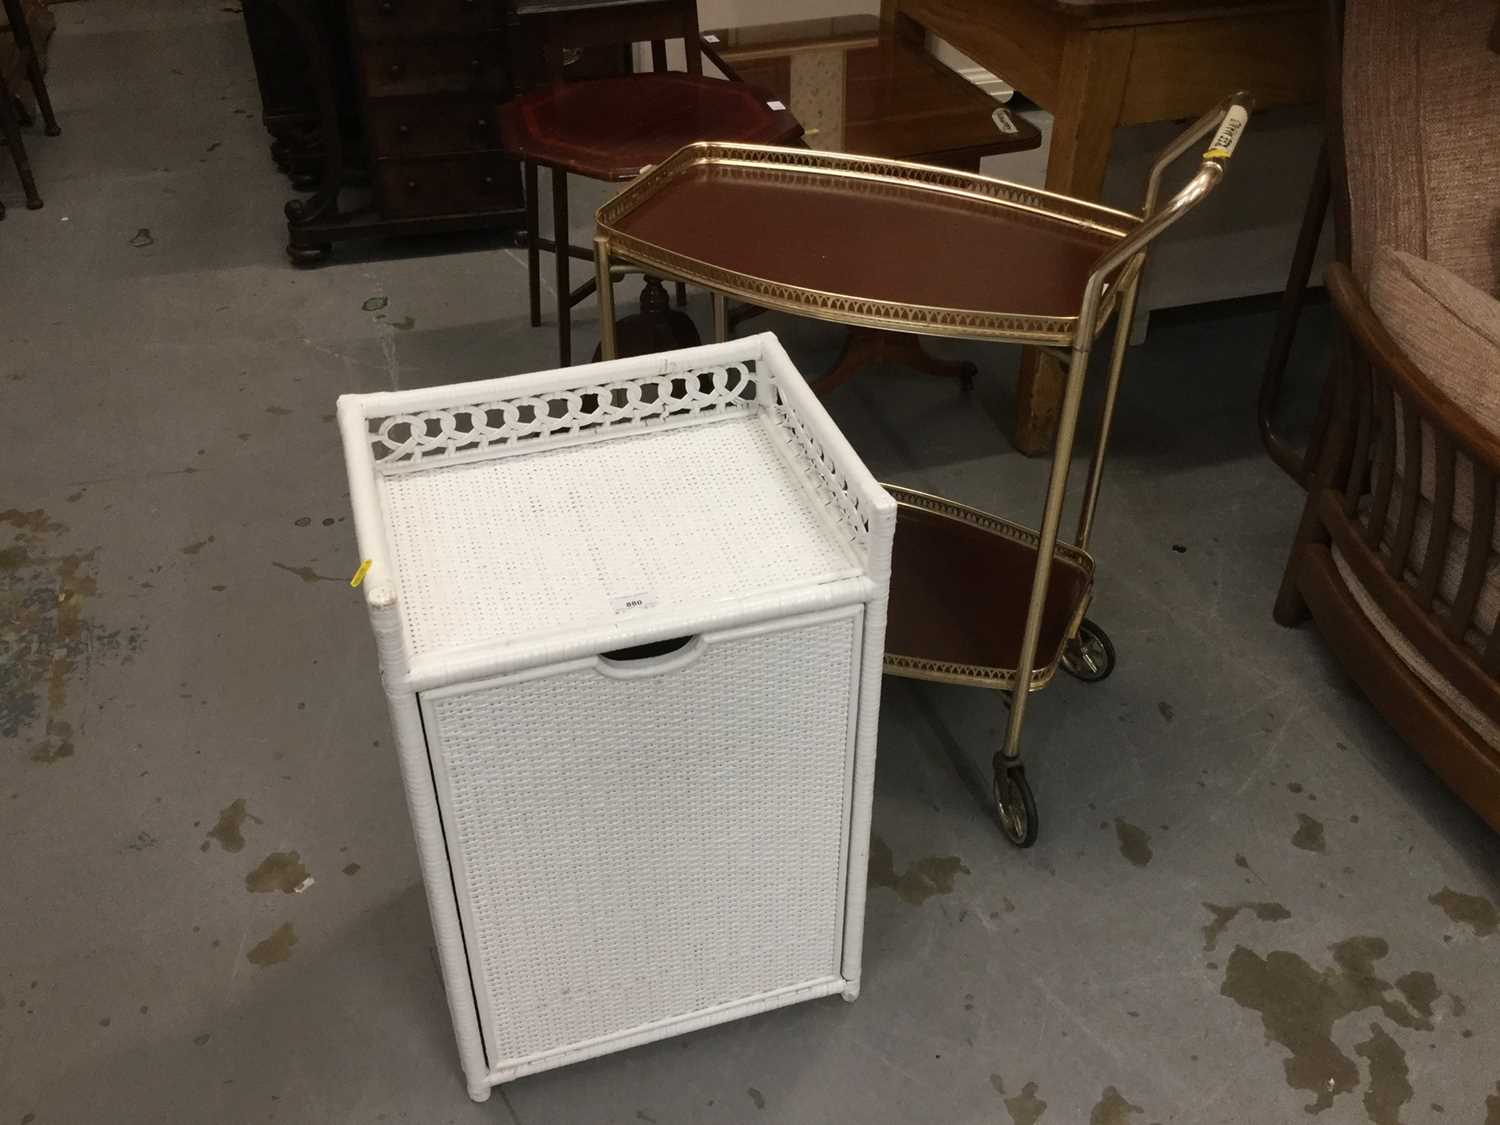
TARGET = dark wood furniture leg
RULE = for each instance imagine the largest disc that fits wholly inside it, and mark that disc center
(10, 123)
(657, 327)
(533, 251)
(560, 254)
(38, 83)
(866, 346)
(10, 128)
(1296, 464)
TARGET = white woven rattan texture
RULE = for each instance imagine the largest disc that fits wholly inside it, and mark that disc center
(639, 849)
(492, 550)
(461, 431)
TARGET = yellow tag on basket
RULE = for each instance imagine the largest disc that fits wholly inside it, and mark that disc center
(359, 575)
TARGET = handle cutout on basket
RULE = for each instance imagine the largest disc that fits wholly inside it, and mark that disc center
(650, 658)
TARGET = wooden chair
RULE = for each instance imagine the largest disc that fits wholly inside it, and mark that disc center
(19, 56)
(1397, 556)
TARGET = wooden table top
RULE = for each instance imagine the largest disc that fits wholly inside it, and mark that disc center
(611, 128)
(859, 87)
(1115, 13)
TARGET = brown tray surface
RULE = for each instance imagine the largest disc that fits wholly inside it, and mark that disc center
(959, 594)
(611, 128)
(819, 242)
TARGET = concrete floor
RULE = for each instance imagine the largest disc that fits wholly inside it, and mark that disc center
(1246, 902)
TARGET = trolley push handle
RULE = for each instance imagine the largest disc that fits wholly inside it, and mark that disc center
(1226, 121)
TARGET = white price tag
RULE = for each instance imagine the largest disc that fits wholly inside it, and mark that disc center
(776, 105)
(1003, 120)
(710, 39)
(629, 603)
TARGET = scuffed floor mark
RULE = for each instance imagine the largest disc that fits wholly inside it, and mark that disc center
(1135, 842)
(1474, 911)
(756, 1096)
(1390, 1085)
(194, 548)
(279, 871)
(1113, 1109)
(1224, 915)
(48, 640)
(1421, 992)
(1309, 835)
(1299, 1006)
(923, 878)
(274, 949)
(229, 830)
(1025, 1108)
(306, 573)
(351, 869)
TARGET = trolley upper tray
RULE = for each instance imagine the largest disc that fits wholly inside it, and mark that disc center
(861, 240)
(960, 582)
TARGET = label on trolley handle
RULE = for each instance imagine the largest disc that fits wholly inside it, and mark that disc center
(1228, 135)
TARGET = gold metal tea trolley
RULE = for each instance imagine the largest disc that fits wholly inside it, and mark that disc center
(974, 599)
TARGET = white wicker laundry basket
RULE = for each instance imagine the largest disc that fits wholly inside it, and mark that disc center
(630, 621)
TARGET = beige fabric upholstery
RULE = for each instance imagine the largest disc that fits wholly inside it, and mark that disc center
(1448, 328)
(1421, 95)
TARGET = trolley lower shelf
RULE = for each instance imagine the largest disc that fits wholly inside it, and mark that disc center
(960, 583)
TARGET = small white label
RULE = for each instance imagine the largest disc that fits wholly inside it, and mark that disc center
(1230, 131)
(1003, 120)
(776, 105)
(710, 39)
(629, 603)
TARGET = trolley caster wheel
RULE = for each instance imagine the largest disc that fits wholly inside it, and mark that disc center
(966, 377)
(520, 238)
(1015, 805)
(1090, 656)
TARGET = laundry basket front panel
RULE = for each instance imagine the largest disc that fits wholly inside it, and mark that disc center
(632, 845)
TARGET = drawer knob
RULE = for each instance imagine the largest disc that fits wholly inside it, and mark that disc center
(403, 129)
(489, 181)
(396, 70)
(475, 64)
(411, 185)
(482, 123)
(387, 6)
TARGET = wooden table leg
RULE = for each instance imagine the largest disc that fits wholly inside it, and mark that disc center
(865, 346)
(560, 244)
(1091, 88)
